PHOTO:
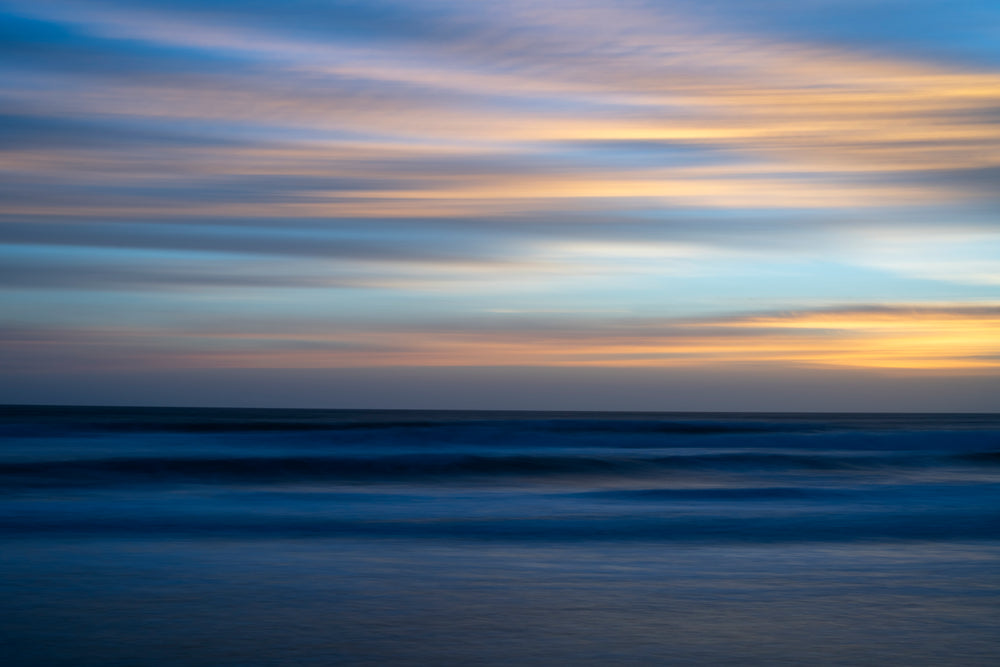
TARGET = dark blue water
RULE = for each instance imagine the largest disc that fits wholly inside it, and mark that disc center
(136, 536)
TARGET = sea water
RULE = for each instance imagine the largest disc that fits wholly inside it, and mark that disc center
(167, 536)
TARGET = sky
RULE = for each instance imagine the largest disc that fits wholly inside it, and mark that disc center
(723, 205)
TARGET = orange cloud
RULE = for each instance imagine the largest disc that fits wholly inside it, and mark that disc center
(917, 338)
(827, 116)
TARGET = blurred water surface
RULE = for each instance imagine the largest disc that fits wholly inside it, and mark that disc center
(135, 536)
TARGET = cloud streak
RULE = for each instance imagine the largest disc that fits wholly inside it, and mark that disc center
(945, 338)
(657, 165)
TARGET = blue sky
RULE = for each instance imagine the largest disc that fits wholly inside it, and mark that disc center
(572, 204)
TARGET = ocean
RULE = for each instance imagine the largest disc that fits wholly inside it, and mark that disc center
(253, 537)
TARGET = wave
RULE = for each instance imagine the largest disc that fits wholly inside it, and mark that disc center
(303, 468)
(982, 458)
(477, 428)
(439, 466)
(715, 493)
(244, 419)
(809, 527)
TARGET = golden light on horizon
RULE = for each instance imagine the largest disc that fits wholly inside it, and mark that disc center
(927, 339)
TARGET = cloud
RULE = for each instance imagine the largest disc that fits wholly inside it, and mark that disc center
(259, 241)
(425, 175)
(969, 256)
(944, 338)
(172, 274)
(491, 103)
(517, 388)
(33, 131)
(54, 46)
(923, 29)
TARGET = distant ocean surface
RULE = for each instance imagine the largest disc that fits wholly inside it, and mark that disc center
(211, 537)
